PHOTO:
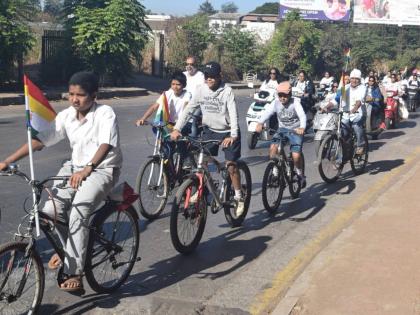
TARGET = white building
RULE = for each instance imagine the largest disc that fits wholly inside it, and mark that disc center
(263, 25)
(219, 21)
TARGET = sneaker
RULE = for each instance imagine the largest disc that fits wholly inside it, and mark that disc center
(360, 151)
(194, 197)
(382, 126)
(302, 180)
(240, 207)
(187, 164)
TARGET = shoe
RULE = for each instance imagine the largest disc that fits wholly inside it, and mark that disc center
(240, 207)
(194, 197)
(360, 151)
(302, 180)
(382, 126)
(187, 164)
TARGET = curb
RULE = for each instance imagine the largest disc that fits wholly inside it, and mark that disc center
(270, 300)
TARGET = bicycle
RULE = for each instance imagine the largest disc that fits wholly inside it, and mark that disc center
(335, 151)
(158, 175)
(273, 185)
(113, 244)
(188, 216)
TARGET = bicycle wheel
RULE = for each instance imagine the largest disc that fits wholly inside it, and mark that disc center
(152, 194)
(246, 187)
(272, 187)
(188, 217)
(295, 186)
(330, 159)
(358, 162)
(112, 248)
(22, 279)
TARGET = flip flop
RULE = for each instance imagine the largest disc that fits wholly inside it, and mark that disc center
(75, 281)
(55, 262)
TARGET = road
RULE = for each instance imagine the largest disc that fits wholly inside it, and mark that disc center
(230, 267)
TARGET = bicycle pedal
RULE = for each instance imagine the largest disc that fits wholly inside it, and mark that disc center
(138, 259)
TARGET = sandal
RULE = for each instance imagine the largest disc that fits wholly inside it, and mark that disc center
(55, 262)
(72, 284)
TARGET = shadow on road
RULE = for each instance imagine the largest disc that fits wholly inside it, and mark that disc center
(407, 124)
(377, 167)
(392, 134)
(373, 146)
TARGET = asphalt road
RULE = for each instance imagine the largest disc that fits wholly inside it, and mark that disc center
(230, 266)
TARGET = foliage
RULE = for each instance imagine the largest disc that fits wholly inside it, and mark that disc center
(15, 35)
(229, 7)
(53, 7)
(267, 8)
(109, 35)
(206, 8)
(295, 45)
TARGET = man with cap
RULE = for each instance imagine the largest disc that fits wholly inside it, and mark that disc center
(292, 123)
(220, 121)
(353, 107)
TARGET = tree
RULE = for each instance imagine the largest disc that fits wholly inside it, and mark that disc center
(53, 7)
(267, 8)
(229, 7)
(109, 35)
(206, 8)
(295, 45)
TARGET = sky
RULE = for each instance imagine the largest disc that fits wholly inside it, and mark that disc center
(188, 7)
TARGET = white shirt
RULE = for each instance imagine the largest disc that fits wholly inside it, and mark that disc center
(351, 97)
(99, 126)
(176, 104)
(301, 86)
(194, 80)
(326, 81)
(270, 85)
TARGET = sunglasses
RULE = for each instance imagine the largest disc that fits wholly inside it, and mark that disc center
(190, 64)
(273, 73)
(284, 95)
(335, 86)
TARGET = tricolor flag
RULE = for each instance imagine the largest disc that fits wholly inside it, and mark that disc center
(163, 114)
(39, 112)
(347, 54)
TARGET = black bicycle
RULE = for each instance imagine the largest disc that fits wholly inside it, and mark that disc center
(279, 173)
(336, 150)
(110, 254)
(200, 191)
(159, 174)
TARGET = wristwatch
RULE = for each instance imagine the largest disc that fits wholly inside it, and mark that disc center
(91, 164)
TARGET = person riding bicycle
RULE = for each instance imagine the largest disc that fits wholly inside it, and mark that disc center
(92, 131)
(292, 124)
(220, 119)
(354, 115)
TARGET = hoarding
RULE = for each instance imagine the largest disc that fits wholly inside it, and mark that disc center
(327, 10)
(399, 12)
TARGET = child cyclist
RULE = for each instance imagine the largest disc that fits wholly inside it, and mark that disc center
(292, 124)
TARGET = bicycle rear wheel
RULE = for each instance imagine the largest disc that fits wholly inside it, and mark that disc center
(22, 279)
(112, 248)
(152, 194)
(188, 217)
(358, 162)
(330, 159)
(272, 187)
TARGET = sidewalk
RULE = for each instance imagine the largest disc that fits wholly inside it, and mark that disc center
(372, 267)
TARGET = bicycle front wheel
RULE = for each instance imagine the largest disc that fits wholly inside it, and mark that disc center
(21, 279)
(246, 186)
(295, 185)
(112, 248)
(330, 159)
(188, 216)
(153, 189)
(272, 187)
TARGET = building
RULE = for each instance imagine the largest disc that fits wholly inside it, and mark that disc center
(263, 25)
(219, 21)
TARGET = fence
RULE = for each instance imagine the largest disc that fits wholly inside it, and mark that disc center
(52, 42)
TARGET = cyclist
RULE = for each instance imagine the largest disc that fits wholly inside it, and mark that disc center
(92, 131)
(352, 103)
(292, 124)
(194, 76)
(220, 119)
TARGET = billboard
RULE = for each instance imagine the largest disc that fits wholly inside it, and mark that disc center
(399, 12)
(327, 10)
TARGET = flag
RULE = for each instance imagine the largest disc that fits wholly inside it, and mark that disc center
(39, 113)
(163, 114)
(347, 54)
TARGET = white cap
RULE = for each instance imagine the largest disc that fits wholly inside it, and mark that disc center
(356, 73)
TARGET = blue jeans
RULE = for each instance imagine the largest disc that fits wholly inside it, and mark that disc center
(358, 128)
(284, 134)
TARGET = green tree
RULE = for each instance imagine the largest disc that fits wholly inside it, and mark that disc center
(53, 7)
(295, 45)
(206, 8)
(267, 8)
(15, 35)
(229, 7)
(110, 36)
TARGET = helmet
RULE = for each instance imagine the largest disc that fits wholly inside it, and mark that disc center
(356, 74)
(284, 87)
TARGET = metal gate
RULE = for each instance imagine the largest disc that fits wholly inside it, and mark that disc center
(52, 42)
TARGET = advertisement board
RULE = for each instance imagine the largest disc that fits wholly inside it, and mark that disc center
(327, 10)
(399, 12)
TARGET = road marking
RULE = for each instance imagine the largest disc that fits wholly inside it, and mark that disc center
(266, 301)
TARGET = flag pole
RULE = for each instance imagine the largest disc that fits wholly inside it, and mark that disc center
(31, 157)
